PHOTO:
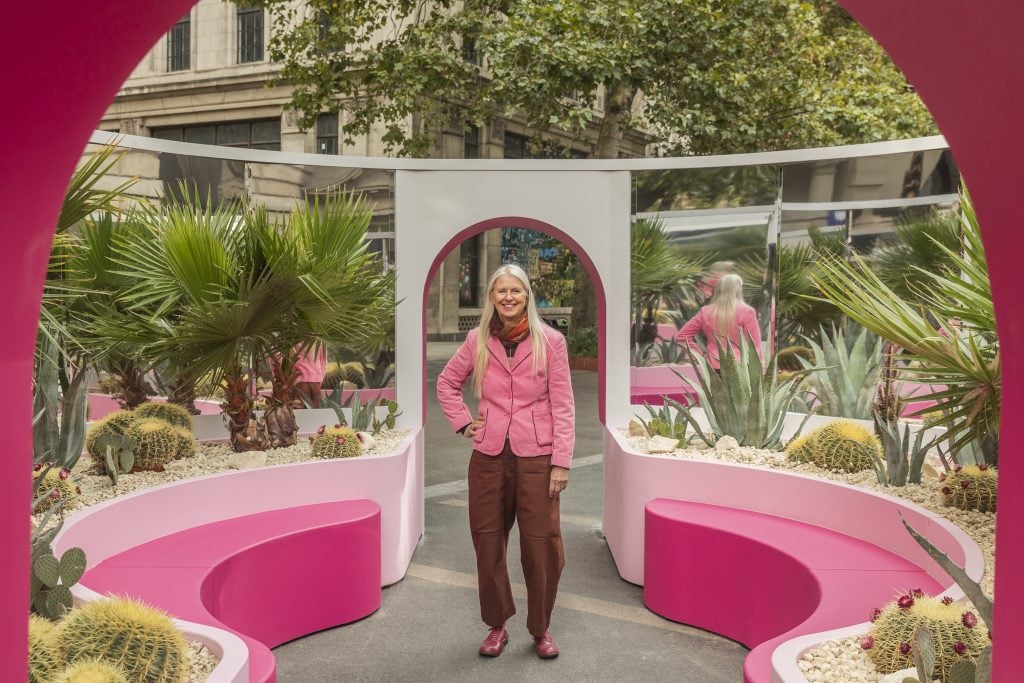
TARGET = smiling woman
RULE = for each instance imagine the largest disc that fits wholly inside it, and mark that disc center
(523, 437)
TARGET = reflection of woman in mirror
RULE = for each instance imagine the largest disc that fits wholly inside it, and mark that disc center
(706, 286)
(724, 319)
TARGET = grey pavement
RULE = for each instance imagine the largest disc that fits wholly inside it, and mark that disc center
(428, 627)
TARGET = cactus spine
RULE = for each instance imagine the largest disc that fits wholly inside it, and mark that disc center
(93, 671)
(336, 442)
(186, 443)
(801, 449)
(971, 487)
(159, 444)
(118, 423)
(168, 412)
(845, 446)
(55, 487)
(141, 640)
(895, 630)
(43, 658)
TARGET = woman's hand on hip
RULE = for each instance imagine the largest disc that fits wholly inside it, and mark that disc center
(474, 426)
(559, 480)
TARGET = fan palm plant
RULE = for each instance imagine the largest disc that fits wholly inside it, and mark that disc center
(923, 243)
(221, 290)
(962, 357)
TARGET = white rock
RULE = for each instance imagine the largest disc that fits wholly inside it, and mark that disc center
(636, 428)
(661, 444)
(245, 461)
(367, 439)
(727, 445)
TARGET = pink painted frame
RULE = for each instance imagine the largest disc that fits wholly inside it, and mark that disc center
(67, 58)
(547, 229)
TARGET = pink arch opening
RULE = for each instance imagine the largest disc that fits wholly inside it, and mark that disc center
(547, 229)
(67, 58)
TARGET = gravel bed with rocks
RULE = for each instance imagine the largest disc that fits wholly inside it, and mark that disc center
(210, 458)
(844, 660)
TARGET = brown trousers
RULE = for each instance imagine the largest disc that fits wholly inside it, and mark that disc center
(502, 489)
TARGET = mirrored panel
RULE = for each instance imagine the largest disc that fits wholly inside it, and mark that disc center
(223, 184)
(889, 176)
(684, 264)
(704, 188)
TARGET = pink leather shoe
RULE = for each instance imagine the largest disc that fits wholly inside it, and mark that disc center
(495, 642)
(545, 646)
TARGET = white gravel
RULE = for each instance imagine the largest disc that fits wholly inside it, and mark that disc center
(201, 662)
(844, 660)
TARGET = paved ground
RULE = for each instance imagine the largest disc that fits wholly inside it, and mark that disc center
(428, 627)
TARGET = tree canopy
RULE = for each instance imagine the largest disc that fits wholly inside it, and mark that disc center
(696, 76)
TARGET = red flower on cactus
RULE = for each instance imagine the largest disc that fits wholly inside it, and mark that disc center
(875, 613)
(904, 648)
(983, 467)
(867, 643)
(323, 428)
(359, 435)
(946, 490)
(947, 600)
(340, 441)
(917, 593)
(64, 473)
(942, 477)
(337, 426)
(905, 601)
(957, 468)
(38, 466)
(55, 494)
(964, 483)
(960, 647)
(969, 619)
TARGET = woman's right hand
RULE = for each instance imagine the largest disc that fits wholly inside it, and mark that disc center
(475, 425)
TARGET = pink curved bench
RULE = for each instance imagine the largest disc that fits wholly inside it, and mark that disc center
(761, 579)
(268, 577)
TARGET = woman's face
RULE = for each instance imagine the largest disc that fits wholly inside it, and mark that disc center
(509, 298)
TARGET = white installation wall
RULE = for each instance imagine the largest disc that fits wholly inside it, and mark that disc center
(433, 207)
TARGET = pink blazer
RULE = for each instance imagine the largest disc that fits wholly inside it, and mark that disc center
(535, 410)
(704, 321)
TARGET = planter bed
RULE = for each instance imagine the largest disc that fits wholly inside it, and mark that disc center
(208, 488)
(758, 480)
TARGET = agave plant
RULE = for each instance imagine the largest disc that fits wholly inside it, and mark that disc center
(960, 351)
(846, 376)
(224, 289)
(743, 399)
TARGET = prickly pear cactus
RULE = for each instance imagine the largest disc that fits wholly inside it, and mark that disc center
(141, 640)
(52, 579)
(801, 449)
(336, 442)
(957, 633)
(92, 671)
(56, 486)
(118, 453)
(43, 658)
(846, 447)
(168, 412)
(971, 487)
(159, 443)
(119, 423)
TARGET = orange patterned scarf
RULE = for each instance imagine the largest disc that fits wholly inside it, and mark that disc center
(515, 332)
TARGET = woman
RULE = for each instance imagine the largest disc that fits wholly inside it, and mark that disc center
(523, 439)
(723, 320)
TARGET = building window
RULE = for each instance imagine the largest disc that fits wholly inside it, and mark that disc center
(517, 146)
(327, 134)
(470, 53)
(179, 45)
(471, 143)
(250, 134)
(250, 34)
(469, 272)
